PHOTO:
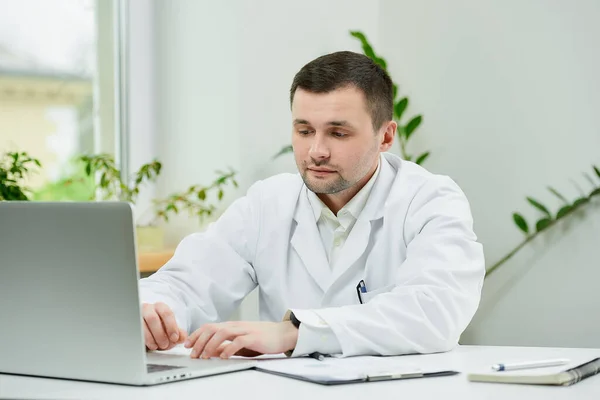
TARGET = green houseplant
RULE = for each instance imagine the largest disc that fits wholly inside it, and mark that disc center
(111, 185)
(405, 130)
(197, 200)
(548, 219)
(14, 169)
(72, 185)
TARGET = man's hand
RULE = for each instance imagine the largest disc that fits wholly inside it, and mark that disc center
(160, 328)
(246, 338)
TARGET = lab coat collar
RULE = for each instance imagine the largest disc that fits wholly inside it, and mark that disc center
(359, 236)
(307, 242)
(354, 206)
(306, 239)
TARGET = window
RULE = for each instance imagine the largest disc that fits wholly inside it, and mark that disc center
(56, 63)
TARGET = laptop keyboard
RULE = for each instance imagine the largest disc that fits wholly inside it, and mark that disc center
(160, 367)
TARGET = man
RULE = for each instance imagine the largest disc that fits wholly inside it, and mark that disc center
(360, 253)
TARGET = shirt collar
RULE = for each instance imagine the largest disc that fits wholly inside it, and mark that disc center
(354, 206)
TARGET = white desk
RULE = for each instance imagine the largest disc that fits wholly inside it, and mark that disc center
(258, 385)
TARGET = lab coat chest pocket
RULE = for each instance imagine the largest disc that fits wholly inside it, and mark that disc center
(369, 295)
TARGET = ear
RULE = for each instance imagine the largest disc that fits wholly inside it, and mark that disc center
(389, 133)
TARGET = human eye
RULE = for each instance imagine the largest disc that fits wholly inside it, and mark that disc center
(339, 134)
(304, 131)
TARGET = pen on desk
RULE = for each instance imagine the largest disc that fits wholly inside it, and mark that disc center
(529, 364)
(317, 356)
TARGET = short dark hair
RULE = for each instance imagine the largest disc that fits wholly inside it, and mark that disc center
(345, 68)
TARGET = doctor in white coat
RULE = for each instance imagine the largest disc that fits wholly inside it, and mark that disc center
(360, 253)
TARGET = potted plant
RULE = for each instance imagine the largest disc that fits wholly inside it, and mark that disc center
(197, 200)
(72, 185)
(14, 169)
(110, 185)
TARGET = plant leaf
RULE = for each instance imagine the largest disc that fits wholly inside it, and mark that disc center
(381, 62)
(595, 192)
(521, 223)
(557, 194)
(542, 224)
(401, 132)
(580, 202)
(284, 150)
(394, 90)
(221, 194)
(564, 211)
(412, 125)
(368, 49)
(597, 171)
(88, 169)
(400, 107)
(539, 206)
(202, 195)
(422, 158)
(358, 34)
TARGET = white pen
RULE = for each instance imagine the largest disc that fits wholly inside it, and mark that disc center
(529, 364)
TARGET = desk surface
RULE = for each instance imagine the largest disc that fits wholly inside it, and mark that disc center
(152, 261)
(253, 384)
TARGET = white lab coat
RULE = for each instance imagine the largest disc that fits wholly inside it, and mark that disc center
(413, 245)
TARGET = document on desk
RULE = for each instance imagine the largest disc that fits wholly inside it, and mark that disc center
(335, 371)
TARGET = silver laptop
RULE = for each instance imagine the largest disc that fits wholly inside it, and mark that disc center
(69, 303)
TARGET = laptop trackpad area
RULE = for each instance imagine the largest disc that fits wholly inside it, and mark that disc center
(161, 367)
(168, 360)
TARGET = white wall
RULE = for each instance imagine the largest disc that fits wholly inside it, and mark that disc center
(509, 91)
(197, 87)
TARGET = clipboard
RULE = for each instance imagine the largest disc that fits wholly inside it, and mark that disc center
(330, 381)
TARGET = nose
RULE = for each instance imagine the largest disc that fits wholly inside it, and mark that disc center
(318, 148)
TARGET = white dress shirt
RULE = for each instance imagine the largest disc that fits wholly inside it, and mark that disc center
(334, 230)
